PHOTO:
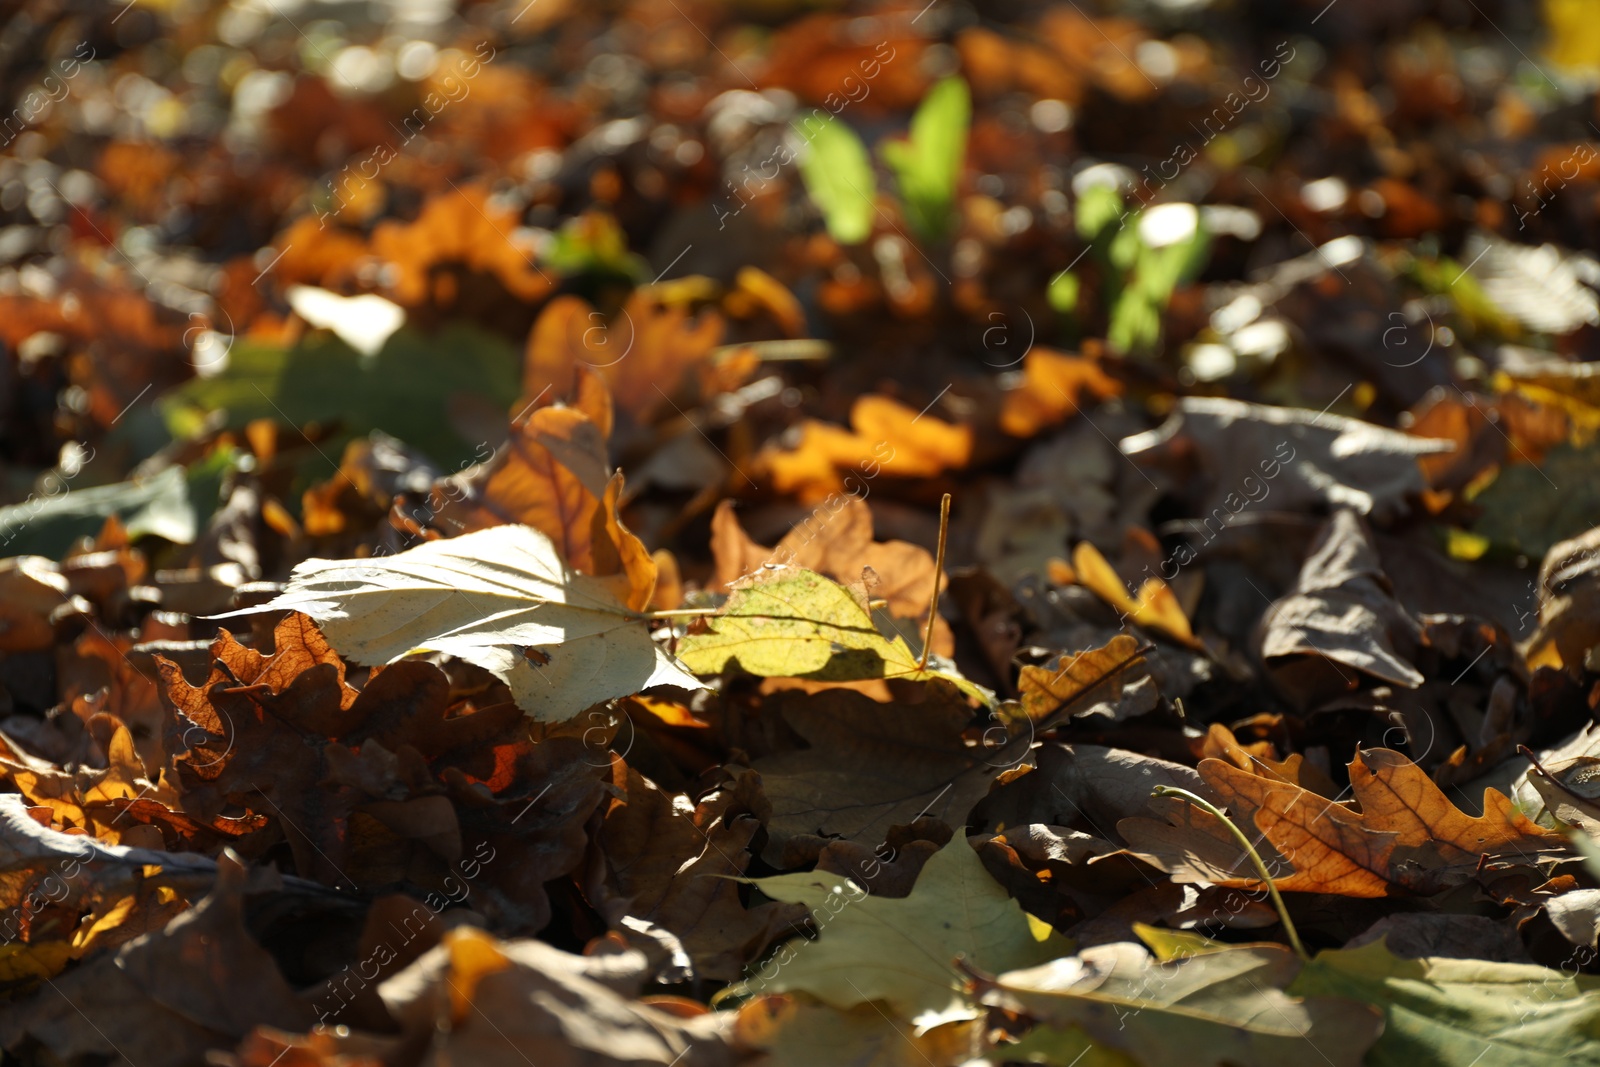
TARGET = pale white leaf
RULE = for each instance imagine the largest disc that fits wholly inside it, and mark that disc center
(501, 598)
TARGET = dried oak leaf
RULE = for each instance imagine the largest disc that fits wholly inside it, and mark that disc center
(1090, 678)
(1261, 757)
(117, 804)
(382, 785)
(1407, 837)
(671, 862)
(886, 437)
(164, 999)
(98, 669)
(840, 545)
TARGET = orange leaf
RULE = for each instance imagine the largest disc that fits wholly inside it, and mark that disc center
(553, 475)
(1156, 609)
(1045, 689)
(463, 227)
(642, 353)
(1052, 389)
(887, 437)
(1406, 838)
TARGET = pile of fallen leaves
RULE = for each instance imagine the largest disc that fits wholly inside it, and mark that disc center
(682, 533)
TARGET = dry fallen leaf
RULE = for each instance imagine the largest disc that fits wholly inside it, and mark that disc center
(1406, 837)
(487, 597)
(1053, 388)
(886, 437)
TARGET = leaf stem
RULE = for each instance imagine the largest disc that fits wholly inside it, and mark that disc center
(679, 613)
(1255, 857)
(938, 573)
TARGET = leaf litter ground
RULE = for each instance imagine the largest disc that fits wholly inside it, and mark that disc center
(1174, 429)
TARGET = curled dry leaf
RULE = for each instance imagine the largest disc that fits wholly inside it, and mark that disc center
(1341, 618)
(1300, 459)
(474, 999)
(1155, 608)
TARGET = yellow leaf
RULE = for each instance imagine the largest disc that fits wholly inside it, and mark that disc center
(1155, 609)
(23, 966)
